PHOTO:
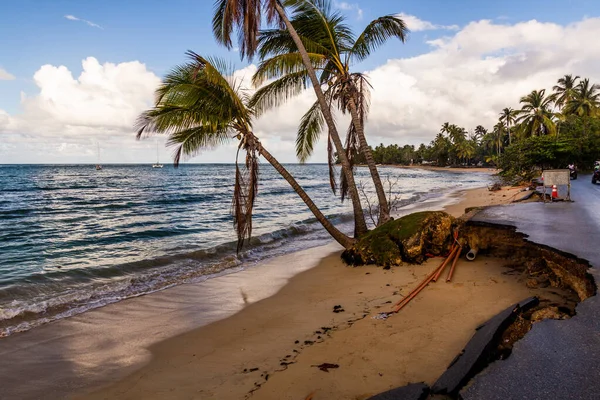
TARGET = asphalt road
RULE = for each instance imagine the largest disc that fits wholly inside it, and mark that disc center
(556, 359)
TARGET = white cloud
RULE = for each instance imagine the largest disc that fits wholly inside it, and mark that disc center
(415, 24)
(467, 78)
(5, 75)
(90, 23)
(342, 5)
(101, 104)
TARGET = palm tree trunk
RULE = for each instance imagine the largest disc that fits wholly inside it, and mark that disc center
(342, 239)
(360, 226)
(384, 210)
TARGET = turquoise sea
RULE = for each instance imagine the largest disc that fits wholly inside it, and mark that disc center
(73, 238)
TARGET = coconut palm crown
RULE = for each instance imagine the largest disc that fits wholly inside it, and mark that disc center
(535, 117)
(564, 90)
(585, 101)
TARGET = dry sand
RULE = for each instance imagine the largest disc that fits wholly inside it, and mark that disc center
(271, 348)
(448, 169)
(482, 197)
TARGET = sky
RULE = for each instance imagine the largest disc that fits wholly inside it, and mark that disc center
(74, 75)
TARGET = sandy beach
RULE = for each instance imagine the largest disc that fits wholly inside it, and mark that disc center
(448, 169)
(272, 348)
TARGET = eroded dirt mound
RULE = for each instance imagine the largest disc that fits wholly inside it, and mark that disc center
(408, 239)
(541, 265)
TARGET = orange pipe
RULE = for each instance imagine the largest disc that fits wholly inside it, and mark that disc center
(443, 266)
(453, 266)
(423, 283)
(400, 304)
(412, 295)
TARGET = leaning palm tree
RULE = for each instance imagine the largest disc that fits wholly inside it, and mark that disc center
(245, 17)
(508, 117)
(332, 49)
(535, 117)
(199, 108)
(564, 91)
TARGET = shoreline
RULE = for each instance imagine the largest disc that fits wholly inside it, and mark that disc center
(490, 170)
(272, 348)
(88, 356)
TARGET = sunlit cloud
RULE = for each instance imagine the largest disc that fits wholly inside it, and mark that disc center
(90, 23)
(5, 75)
(416, 24)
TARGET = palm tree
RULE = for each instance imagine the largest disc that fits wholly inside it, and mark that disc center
(332, 48)
(245, 16)
(465, 150)
(199, 108)
(585, 103)
(498, 135)
(480, 132)
(508, 117)
(446, 128)
(535, 117)
(564, 91)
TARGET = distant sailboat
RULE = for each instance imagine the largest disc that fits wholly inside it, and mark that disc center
(98, 166)
(158, 164)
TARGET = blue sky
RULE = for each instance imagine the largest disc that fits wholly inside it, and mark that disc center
(157, 33)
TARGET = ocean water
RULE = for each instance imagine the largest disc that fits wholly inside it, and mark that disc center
(73, 238)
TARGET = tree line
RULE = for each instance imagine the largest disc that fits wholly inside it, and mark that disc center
(550, 130)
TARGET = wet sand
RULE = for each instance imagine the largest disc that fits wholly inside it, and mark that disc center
(195, 340)
(103, 345)
(489, 170)
(271, 349)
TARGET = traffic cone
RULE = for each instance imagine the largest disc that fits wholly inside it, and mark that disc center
(554, 192)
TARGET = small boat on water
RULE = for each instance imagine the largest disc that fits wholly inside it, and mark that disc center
(98, 166)
(158, 164)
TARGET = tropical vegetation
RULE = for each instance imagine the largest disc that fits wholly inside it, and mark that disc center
(547, 131)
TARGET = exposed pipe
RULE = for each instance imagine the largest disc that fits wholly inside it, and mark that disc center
(472, 253)
(441, 268)
(449, 278)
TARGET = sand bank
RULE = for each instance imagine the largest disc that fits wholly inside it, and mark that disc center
(271, 349)
(449, 169)
(482, 197)
(103, 345)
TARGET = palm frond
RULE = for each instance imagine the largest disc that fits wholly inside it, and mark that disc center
(315, 19)
(311, 126)
(376, 34)
(279, 41)
(242, 16)
(189, 142)
(279, 92)
(284, 64)
(213, 72)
